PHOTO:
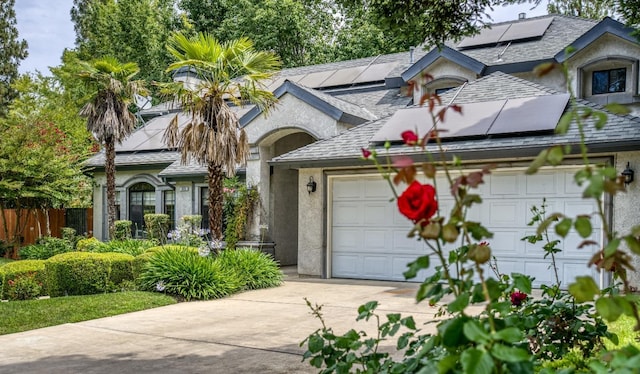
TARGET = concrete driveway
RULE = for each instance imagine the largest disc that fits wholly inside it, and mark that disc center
(252, 332)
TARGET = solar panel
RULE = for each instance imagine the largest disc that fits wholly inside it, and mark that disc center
(475, 120)
(344, 76)
(487, 36)
(414, 119)
(376, 72)
(315, 80)
(527, 29)
(531, 114)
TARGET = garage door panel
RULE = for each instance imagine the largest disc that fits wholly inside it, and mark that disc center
(503, 213)
(399, 266)
(347, 189)
(507, 267)
(401, 244)
(376, 241)
(505, 185)
(377, 189)
(581, 207)
(506, 243)
(575, 269)
(376, 267)
(347, 214)
(570, 185)
(346, 265)
(571, 243)
(542, 272)
(542, 184)
(346, 239)
(376, 213)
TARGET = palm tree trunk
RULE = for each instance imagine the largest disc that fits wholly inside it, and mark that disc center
(215, 200)
(110, 171)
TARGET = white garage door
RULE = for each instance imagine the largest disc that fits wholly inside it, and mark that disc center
(368, 235)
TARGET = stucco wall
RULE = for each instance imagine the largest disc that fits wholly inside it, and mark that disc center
(626, 207)
(311, 225)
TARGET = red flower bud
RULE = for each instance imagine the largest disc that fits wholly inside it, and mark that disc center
(366, 153)
(409, 137)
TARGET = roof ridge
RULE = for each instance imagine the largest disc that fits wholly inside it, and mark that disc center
(322, 95)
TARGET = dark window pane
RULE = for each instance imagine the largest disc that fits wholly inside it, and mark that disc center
(204, 207)
(608, 81)
(142, 198)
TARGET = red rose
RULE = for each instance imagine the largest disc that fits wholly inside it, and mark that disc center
(366, 153)
(418, 202)
(517, 298)
(409, 137)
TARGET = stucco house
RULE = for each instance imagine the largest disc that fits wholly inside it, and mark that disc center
(345, 226)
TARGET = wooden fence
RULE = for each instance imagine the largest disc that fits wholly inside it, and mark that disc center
(36, 223)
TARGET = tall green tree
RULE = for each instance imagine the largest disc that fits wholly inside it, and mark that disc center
(226, 74)
(592, 9)
(12, 51)
(107, 111)
(129, 30)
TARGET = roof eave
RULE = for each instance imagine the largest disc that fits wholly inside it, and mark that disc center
(607, 25)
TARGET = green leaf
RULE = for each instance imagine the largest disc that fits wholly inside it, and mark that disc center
(475, 361)
(510, 335)
(555, 155)
(611, 247)
(474, 332)
(509, 354)
(521, 282)
(583, 226)
(316, 362)
(459, 303)
(316, 343)
(420, 263)
(538, 162)
(584, 289)
(618, 109)
(601, 119)
(608, 308)
(633, 243)
(451, 331)
(564, 123)
(563, 227)
(448, 363)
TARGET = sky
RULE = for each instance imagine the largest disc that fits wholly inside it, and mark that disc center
(47, 27)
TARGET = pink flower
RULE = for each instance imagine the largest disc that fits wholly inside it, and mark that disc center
(518, 297)
(366, 153)
(409, 137)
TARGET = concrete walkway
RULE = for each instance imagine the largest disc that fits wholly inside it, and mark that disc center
(252, 332)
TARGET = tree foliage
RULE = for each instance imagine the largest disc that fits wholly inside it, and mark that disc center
(12, 51)
(230, 71)
(129, 30)
(592, 9)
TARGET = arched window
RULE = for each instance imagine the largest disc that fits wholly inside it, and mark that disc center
(142, 200)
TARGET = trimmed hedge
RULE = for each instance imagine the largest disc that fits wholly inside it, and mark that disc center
(44, 248)
(90, 245)
(16, 269)
(157, 226)
(86, 273)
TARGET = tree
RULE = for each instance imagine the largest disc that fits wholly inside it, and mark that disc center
(129, 30)
(592, 9)
(12, 52)
(107, 111)
(230, 71)
(38, 171)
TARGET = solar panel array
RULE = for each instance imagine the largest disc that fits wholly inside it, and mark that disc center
(511, 32)
(484, 119)
(340, 77)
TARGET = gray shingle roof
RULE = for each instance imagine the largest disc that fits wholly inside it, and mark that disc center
(381, 102)
(621, 132)
(176, 169)
(129, 159)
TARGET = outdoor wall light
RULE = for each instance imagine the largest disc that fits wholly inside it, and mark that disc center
(311, 186)
(627, 174)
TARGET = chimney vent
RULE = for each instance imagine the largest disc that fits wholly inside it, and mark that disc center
(412, 49)
(522, 15)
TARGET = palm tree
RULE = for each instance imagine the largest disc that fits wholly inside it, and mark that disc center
(111, 88)
(228, 74)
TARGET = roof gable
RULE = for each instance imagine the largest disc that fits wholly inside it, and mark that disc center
(447, 53)
(607, 25)
(335, 108)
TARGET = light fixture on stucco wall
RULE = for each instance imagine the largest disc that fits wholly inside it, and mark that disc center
(311, 186)
(627, 174)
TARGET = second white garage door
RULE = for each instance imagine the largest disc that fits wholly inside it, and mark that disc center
(368, 235)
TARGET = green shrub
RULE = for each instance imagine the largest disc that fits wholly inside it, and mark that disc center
(188, 275)
(193, 221)
(157, 226)
(85, 273)
(91, 245)
(14, 271)
(173, 247)
(139, 262)
(122, 230)
(44, 248)
(132, 247)
(253, 268)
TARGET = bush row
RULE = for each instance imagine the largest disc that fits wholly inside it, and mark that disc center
(177, 270)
